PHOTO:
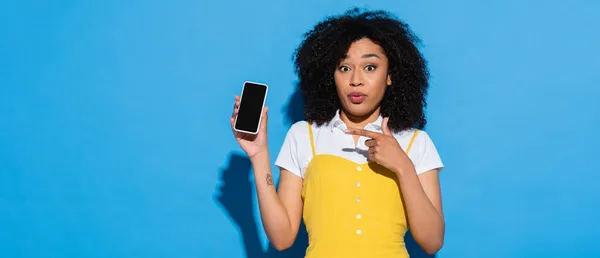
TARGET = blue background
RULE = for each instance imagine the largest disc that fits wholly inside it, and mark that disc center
(115, 140)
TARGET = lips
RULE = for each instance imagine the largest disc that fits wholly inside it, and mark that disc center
(357, 97)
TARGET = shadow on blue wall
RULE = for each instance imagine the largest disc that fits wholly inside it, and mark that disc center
(235, 196)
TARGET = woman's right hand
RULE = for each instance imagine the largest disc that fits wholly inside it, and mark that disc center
(251, 144)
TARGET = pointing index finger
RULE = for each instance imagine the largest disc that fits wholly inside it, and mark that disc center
(362, 132)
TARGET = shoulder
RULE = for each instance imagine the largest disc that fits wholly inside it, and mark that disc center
(413, 134)
(298, 129)
(407, 134)
(419, 141)
(301, 128)
(421, 149)
(421, 136)
(422, 139)
(299, 133)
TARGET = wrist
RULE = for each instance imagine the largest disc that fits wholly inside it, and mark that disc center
(403, 170)
(260, 157)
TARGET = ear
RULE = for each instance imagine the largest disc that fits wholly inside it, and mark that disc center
(389, 80)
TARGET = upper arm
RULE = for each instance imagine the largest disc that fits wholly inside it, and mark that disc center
(293, 153)
(430, 181)
(290, 193)
(291, 161)
(428, 167)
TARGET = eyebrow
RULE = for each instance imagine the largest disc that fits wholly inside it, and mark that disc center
(370, 55)
(364, 56)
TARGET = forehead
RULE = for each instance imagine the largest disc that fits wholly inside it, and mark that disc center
(363, 46)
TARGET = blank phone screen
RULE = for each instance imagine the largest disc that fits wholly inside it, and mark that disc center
(251, 106)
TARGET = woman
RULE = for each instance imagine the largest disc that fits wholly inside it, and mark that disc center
(359, 170)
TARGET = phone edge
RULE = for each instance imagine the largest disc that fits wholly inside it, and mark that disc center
(261, 113)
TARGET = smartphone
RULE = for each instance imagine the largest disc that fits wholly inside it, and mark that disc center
(252, 101)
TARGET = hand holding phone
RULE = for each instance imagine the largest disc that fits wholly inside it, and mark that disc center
(249, 119)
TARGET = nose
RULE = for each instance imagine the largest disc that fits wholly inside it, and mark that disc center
(356, 80)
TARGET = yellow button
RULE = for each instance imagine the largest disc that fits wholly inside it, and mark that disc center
(358, 216)
(358, 169)
(358, 231)
(357, 184)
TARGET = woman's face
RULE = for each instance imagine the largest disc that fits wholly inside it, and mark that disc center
(361, 78)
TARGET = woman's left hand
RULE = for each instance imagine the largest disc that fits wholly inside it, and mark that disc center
(384, 149)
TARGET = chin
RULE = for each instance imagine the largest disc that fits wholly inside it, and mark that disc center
(359, 110)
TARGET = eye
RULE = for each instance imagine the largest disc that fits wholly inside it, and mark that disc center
(344, 69)
(370, 68)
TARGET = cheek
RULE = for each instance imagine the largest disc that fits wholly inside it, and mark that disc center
(341, 94)
(377, 96)
(340, 84)
(378, 86)
(338, 79)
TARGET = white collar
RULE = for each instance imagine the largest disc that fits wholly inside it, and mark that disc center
(336, 122)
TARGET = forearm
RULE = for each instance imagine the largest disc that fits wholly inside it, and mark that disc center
(425, 222)
(274, 216)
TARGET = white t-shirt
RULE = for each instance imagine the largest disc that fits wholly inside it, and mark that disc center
(330, 138)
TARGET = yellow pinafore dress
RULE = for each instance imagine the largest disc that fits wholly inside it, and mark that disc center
(351, 209)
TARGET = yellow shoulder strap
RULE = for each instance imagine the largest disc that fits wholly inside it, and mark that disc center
(312, 140)
(412, 139)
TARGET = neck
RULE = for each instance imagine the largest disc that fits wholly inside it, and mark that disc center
(359, 121)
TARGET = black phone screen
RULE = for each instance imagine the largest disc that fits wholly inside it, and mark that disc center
(251, 105)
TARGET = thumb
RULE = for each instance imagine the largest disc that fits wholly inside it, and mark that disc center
(384, 126)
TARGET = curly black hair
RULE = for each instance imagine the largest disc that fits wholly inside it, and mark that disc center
(327, 43)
